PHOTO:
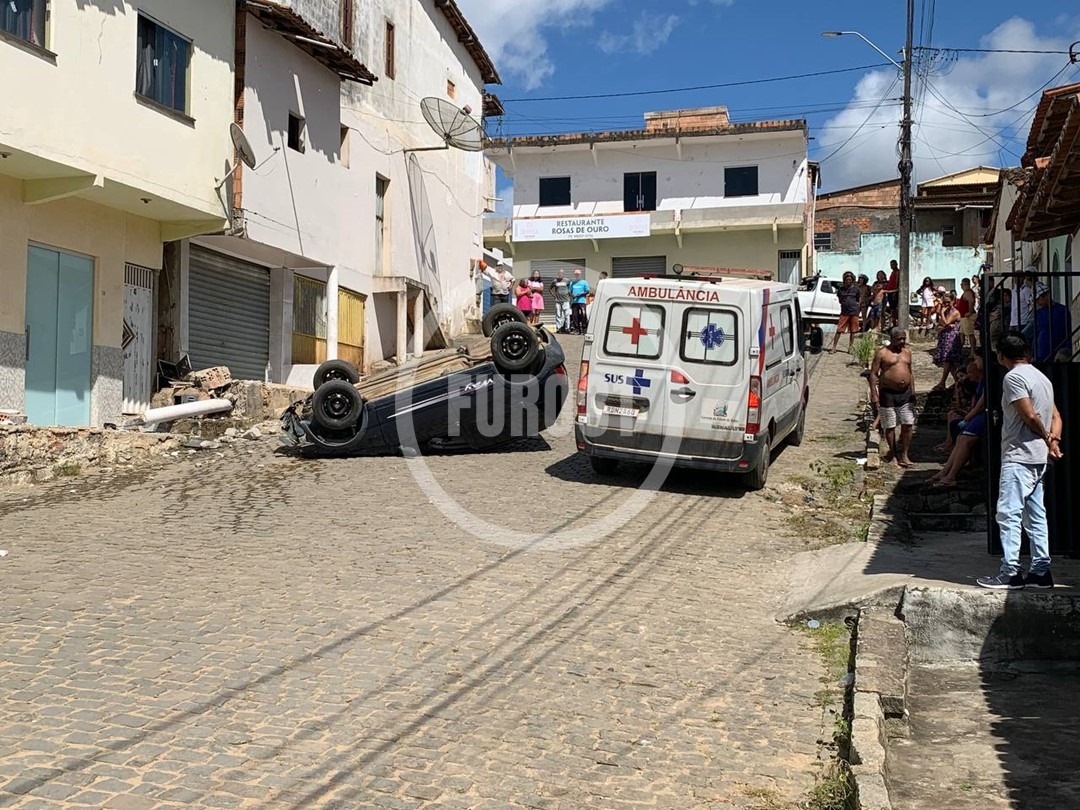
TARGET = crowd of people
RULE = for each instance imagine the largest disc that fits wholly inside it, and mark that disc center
(571, 297)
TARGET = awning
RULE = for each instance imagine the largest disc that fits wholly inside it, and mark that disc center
(318, 45)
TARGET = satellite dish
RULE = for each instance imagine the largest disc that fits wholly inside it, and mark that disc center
(243, 146)
(454, 125)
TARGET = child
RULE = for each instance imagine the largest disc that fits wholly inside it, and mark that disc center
(524, 299)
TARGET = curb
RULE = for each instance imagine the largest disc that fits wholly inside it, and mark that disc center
(880, 692)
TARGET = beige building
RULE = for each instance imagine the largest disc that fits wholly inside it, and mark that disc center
(112, 136)
(692, 187)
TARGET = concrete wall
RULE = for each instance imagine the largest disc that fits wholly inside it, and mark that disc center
(82, 112)
(752, 250)
(928, 258)
(692, 178)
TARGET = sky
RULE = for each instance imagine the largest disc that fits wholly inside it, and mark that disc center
(971, 108)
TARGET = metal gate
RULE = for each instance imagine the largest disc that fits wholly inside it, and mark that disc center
(228, 314)
(1063, 477)
(634, 266)
(138, 338)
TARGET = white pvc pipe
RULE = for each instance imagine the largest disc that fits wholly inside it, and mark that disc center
(199, 408)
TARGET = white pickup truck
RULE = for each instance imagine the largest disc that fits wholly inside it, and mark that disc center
(817, 299)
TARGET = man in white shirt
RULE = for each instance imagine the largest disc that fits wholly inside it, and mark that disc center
(501, 282)
(1022, 314)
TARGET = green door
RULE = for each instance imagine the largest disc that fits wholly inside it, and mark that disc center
(59, 337)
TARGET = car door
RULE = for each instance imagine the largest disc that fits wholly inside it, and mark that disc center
(709, 381)
(790, 398)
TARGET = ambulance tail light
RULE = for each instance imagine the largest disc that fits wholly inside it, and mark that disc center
(678, 378)
(753, 407)
(583, 389)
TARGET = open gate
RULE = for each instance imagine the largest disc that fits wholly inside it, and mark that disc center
(1063, 369)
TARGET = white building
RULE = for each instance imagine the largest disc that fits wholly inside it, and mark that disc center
(691, 188)
(115, 122)
(342, 242)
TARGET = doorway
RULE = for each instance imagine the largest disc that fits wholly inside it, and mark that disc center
(59, 337)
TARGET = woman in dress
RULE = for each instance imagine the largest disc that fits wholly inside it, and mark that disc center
(523, 296)
(950, 351)
(926, 302)
(536, 287)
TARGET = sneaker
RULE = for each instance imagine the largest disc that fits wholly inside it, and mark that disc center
(1002, 582)
(1044, 580)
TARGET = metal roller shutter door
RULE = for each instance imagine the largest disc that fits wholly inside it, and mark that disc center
(633, 266)
(549, 268)
(228, 314)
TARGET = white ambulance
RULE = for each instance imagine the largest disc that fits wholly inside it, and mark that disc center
(705, 373)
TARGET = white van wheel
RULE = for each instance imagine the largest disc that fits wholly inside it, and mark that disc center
(799, 433)
(759, 476)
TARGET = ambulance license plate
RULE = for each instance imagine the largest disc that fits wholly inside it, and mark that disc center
(615, 410)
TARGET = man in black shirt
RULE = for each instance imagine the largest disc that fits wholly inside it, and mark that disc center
(849, 312)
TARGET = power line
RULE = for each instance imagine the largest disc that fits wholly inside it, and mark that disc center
(992, 50)
(873, 111)
(699, 87)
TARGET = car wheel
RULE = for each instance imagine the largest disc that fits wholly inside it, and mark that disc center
(336, 405)
(795, 438)
(514, 348)
(500, 314)
(603, 466)
(759, 476)
(335, 370)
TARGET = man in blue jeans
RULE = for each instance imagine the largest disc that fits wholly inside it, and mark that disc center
(1030, 439)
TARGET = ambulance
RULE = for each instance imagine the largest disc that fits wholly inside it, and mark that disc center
(700, 372)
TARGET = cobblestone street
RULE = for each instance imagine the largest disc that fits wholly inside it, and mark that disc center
(264, 631)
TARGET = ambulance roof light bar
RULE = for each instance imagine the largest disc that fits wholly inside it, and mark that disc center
(702, 273)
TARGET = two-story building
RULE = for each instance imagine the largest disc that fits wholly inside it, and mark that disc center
(692, 187)
(115, 123)
(354, 234)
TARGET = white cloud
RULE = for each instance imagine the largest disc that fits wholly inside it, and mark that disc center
(650, 32)
(980, 86)
(514, 32)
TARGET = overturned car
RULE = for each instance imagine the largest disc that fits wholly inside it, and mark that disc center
(508, 384)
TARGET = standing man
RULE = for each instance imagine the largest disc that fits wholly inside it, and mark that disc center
(1052, 325)
(501, 282)
(1030, 439)
(892, 393)
(849, 311)
(892, 294)
(560, 291)
(579, 292)
(1024, 303)
(966, 305)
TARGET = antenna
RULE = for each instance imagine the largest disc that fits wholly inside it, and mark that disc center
(456, 127)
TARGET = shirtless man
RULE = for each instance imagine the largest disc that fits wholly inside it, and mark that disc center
(892, 392)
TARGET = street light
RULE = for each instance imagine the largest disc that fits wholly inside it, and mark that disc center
(903, 287)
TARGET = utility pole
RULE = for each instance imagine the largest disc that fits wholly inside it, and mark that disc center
(907, 208)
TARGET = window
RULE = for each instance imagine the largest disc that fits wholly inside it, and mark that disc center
(24, 19)
(948, 230)
(741, 182)
(381, 186)
(787, 331)
(823, 240)
(639, 191)
(554, 191)
(348, 13)
(389, 50)
(710, 336)
(344, 146)
(161, 65)
(451, 89)
(634, 330)
(297, 132)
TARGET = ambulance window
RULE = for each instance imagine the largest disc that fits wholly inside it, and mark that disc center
(634, 330)
(710, 336)
(787, 331)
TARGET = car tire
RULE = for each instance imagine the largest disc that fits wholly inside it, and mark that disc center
(603, 466)
(757, 478)
(336, 405)
(500, 314)
(514, 348)
(795, 438)
(335, 370)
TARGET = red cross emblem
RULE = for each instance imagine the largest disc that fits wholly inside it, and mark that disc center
(635, 331)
